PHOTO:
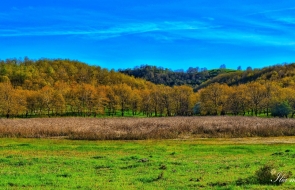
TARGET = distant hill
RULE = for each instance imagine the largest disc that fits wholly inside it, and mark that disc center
(159, 75)
(281, 73)
(35, 74)
(201, 79)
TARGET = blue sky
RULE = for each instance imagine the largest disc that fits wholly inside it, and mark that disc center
(172, 34)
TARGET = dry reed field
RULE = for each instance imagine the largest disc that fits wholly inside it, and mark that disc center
(147, 128)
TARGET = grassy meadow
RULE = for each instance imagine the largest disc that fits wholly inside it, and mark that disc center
(145, 164)
(146, 153)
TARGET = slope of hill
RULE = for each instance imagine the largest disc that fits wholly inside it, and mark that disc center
(35, 74)
(159, 75)
(281, 73)
(33, 88)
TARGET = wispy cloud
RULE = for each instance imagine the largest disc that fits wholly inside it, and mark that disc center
(104, 32)
(286, 19)
(160, 31)
(271, 11)
(101, 26)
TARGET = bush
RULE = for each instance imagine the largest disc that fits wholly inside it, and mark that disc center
(266, 174)
(197, 109)
(281, 109)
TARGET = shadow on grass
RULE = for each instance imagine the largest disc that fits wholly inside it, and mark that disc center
(151, 179)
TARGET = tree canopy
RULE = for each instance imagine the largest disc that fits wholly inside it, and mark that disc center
(45, 87)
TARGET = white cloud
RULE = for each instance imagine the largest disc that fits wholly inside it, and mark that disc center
(107, 32)
(233, 30)
(287, 20)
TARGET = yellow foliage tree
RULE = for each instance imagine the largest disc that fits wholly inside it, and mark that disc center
(213, 99)
(256, 93)
(12, 101)
(123, 92)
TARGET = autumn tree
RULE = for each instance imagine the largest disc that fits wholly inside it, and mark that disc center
(87, 97)
(123, 92)
(32, 102)
(284, 95)
(291, 98)
(100, 100)
(72, 99)
(167, 99)
(47, 98)
(256, 93)
(146, 105)
(12, 101)
(182, 97)
(270, 88)
(155, 99)
(112, 100)
(58, 103)
(135, 101)
(213, 99)
(237, 101)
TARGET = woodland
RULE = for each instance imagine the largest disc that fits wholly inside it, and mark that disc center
(62, 87)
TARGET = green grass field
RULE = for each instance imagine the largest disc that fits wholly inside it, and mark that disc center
(150, 164)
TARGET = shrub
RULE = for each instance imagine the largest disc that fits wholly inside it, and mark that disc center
(266, 174)
(197, 109)
(281, 109)
(269, 175)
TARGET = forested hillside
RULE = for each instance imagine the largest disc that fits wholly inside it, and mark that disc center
(281, 73)
(64, 87)
(45, 87)
(200, 78)
(158, 75)
(34, 75)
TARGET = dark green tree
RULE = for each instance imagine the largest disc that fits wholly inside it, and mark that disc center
(281, 109)
(197, 109)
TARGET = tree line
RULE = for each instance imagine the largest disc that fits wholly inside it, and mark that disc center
(200, 78)
(89, 100)
(158, 75)
(64, 87)
(33, 88)
(254, 98)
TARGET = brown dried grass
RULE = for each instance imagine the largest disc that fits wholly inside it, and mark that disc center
(147, 128)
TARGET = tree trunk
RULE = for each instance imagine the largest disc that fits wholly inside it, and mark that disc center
(48, 112)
